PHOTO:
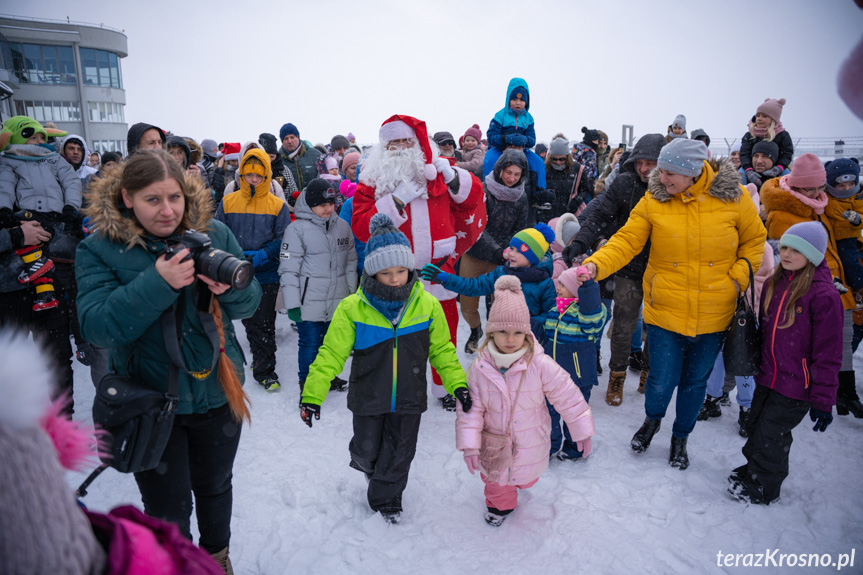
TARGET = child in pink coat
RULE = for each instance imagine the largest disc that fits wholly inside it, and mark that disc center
(509, 383)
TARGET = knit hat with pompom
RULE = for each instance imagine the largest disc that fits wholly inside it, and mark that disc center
(387, 247)
(532, 243)
(509, 310)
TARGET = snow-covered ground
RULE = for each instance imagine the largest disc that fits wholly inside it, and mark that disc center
(299, 508)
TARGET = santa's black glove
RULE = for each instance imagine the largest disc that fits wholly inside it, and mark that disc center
(69, 215)
(307, 410)
(463, 395)
(8, 219)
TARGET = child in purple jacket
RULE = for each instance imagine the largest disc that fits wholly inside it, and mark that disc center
(801, 353)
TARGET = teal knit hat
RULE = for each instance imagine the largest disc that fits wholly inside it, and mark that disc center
(387, 247)
(808, 238)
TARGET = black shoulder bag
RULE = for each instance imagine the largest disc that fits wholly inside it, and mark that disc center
(741, 353)
(137, 420)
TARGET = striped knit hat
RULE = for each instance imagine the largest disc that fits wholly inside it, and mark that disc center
(532, 243)
(387, 247)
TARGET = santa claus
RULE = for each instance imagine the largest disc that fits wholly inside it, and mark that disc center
(439, 207)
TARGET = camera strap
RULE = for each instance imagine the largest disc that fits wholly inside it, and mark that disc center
(173, 335)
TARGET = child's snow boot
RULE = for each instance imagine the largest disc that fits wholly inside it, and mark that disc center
(642, 381)
(742, 420)
(44, 294)
(710, 408)
(636, 361)
(496, 517)
(642, 438)
(338, 384)
(37, 264)
(448, 402)
(271, 383)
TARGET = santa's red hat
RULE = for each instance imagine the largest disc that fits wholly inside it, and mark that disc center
(231, 151)
(398, 127)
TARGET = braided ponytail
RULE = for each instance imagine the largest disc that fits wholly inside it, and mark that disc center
(237, 398)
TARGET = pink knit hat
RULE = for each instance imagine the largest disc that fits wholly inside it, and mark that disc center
(475, 132)
(807, 171)
(569, 279)
(509, 310)
(772, 108)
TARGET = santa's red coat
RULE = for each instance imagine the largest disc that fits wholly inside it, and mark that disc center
(439, 228)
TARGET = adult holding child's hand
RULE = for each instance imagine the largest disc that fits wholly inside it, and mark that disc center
(701, 223)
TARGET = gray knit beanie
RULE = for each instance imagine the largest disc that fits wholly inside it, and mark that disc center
(387, 246)
(681, 156)
(679, 122)
(558, 147)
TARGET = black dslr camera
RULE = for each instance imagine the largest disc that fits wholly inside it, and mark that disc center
(215, 264)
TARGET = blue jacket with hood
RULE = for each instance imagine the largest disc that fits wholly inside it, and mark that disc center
(508, 122)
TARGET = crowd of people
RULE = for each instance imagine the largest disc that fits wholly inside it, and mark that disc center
(371, 253)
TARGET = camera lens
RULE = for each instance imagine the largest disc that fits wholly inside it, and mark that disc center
(225, 268)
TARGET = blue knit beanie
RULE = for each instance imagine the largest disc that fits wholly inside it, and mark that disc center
(808, 238)
(288, 129)
(842, 171)
(682, 156)
(387, 246)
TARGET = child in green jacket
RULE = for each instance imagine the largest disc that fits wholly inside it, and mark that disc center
(395, 328)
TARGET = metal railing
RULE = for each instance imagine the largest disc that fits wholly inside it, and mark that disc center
(66, 21)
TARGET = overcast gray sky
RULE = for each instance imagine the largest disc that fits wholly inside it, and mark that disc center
(230, 70)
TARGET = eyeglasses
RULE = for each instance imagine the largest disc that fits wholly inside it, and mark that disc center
(559, 160)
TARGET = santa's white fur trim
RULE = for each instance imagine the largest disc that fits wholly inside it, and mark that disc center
(430, 172)
(465, 183)
(25, 384)
(395, 130)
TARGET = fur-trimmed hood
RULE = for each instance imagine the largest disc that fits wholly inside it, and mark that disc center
(109, 215)
(725, 185)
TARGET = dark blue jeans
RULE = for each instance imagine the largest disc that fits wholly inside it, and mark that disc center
(558, 438)
(682, 362)
(311, 338)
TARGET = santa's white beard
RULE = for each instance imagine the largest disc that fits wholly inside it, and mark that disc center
(385, 169)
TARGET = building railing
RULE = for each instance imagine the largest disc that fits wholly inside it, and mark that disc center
(66, 21)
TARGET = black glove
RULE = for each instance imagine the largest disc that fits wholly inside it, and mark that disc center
(8, 219)
(541, 196)
(309, 409)
(821, 418)
(570, 252)
(69, 215)
(498, 256)
(463, 395)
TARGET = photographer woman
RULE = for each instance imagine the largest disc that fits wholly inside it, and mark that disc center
(125, 284)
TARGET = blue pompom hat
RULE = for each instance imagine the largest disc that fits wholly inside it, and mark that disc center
(387, 247)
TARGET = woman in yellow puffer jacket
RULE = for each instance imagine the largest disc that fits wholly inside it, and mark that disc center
(700, 222)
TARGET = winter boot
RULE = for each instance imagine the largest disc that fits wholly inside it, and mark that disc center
(391, 515)
(85, 354)
(448, 402)
(642, 438)
(496, 517)
(598, 362)
(742, 420)
(642, 381)
(847, 399)
(725, 400)
(614, 395)
(271, 383)
(472, 343)
(678, 457)
(338, 384)
(224, 561)
(636, 361)
(710, 408)
(37, 264)
(44, 294)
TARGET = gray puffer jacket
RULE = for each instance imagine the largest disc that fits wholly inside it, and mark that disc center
(318, 267)
(35, 177)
